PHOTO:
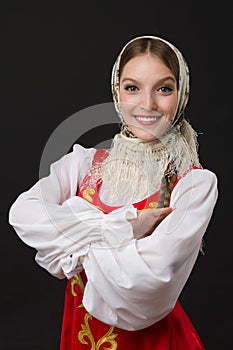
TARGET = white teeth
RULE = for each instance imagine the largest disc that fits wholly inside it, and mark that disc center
(143, 119)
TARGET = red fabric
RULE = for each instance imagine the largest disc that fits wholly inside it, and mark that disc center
(82, 331)
(92, 194)
(174, 332)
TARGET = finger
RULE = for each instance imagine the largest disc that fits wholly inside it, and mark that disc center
(166, 210)
(162, 212)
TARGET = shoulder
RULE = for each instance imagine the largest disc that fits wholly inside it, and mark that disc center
(74, 163)
(198, 173)
(197, 189)
(81, 155)
(197, 178)
(82, 160)
(204, 174)
(77, 153)
(82, 152)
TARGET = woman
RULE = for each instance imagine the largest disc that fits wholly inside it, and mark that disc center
(125, 225)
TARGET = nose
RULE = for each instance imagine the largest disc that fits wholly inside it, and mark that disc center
(148, 101)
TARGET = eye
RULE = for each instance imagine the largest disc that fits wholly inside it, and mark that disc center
(165, 89)
(131, 88)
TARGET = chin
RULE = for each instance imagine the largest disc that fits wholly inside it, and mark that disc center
(145, 137)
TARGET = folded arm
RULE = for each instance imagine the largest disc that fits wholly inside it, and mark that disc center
(51, 218)
(137, 284)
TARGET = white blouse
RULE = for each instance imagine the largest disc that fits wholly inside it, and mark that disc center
(131, 283)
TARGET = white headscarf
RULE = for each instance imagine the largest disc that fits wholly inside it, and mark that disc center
(184, 88)
(134, 168)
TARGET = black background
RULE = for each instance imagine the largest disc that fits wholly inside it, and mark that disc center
(56, 59)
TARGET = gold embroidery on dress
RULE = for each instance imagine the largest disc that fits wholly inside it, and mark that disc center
(77, 280)
(109, 337)
(153, 204)
(87, 193)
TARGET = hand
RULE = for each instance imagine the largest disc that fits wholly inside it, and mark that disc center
(148, 220)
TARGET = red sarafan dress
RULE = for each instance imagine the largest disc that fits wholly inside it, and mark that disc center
(80, 330)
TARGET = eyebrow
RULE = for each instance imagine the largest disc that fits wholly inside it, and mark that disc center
(158, 82)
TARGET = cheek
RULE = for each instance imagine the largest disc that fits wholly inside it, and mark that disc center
(126, 103)
(123, 96)
(171, 106)
(127, 109)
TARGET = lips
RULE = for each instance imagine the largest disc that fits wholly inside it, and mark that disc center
(147, 119)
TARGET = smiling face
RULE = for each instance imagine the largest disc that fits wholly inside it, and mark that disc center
(148, 96)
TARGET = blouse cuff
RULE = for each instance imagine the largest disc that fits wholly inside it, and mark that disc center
(73, 263)
(111, 229)
(116, 230)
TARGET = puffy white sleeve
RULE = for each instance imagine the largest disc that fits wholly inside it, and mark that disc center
(135, 285)
(51, 218)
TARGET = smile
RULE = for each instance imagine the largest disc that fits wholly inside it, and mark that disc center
(142, 119)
